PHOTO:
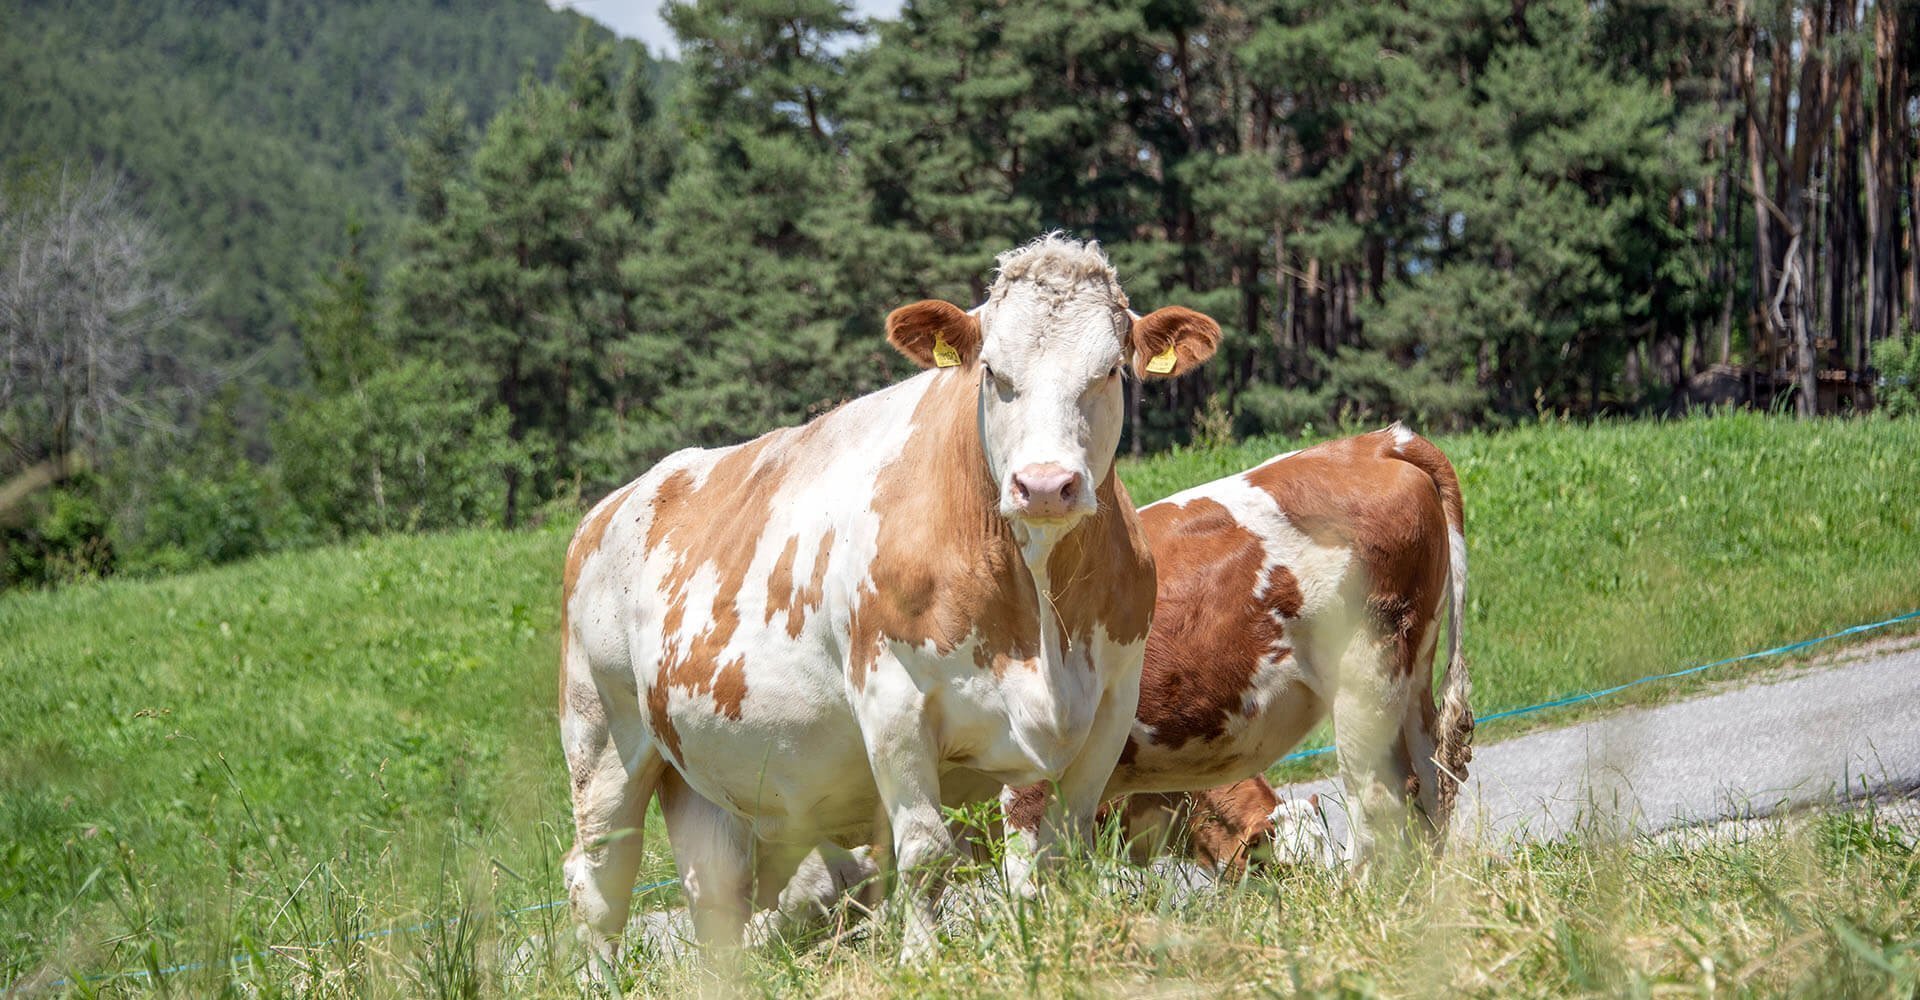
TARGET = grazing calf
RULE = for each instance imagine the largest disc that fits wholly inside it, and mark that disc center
(1312, 584)
(829, 632)
(1225, 829)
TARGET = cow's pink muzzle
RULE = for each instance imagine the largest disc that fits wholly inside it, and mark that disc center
(1047, 492)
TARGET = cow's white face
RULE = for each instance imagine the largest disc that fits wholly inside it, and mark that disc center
(1050, 399)
(1048, 348)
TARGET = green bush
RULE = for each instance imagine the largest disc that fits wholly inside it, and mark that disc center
(203, 504)
(411, 448)
(202, 515)
(62, 535)
(1898, 360)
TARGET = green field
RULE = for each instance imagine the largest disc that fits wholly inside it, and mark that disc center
(328, 743)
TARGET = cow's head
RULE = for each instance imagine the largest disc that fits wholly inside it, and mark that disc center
(1048, 347)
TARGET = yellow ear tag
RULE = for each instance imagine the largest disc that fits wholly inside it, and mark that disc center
(1162, 363)
(944, 356)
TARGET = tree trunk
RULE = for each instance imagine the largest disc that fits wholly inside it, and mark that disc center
(1765, 264)
(1883, 175)
(1913, 226)
(1844, 227)
(1805, 368)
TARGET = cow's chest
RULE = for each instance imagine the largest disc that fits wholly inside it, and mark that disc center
(1020, 720)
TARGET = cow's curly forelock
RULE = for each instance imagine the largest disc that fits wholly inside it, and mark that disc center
(1059, 264)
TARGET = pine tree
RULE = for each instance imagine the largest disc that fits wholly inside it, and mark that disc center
(514, 276)
(1552, 182)
(748, 316)
(338, 323)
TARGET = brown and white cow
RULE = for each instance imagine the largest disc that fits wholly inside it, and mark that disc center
(823, 635)
(1312, 584)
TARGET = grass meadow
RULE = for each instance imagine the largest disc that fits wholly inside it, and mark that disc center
(333, 744)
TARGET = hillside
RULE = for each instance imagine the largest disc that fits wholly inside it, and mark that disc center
(254, 131)
(331, 742)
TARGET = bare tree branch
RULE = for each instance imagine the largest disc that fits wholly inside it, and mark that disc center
(1790, 275)
(84, 312)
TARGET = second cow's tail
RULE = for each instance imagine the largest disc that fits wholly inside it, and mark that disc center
(1454, 739)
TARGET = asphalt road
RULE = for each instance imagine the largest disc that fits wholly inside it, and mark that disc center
(1841, 732)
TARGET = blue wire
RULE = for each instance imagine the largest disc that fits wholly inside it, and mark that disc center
(1573, 699)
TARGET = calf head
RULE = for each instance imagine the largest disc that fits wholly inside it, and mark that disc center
(1246, 822)
(1048, 348)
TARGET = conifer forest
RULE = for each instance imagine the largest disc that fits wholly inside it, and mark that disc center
(280, 272)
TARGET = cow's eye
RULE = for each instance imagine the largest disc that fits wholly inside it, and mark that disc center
(1113, 372)
(987, 370)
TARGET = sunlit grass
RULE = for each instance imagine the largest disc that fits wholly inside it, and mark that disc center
(317, 745)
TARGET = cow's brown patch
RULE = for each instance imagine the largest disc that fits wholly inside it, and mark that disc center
(1102, 572)
(1027, 805)
(1210, 633)
(1357, 493)
(864, 643)
(1282, 591)
(946, 562)
(780, 579)
(797, 602)
(816, 590)
(661, 723)
(947, 567)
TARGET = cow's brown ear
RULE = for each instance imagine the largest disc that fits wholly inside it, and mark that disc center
(1172, 341)
(934, 334)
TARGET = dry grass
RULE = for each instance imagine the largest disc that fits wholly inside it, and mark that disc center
(1826, 905)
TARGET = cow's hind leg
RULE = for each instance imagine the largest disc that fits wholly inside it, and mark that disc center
(1384, 730)
(615, 767)
(1367, 714)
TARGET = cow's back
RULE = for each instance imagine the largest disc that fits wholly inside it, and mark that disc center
(1257, 569)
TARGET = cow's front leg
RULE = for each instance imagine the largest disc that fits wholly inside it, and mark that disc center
(903, 750)
(1084, 782)
(713, 850)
